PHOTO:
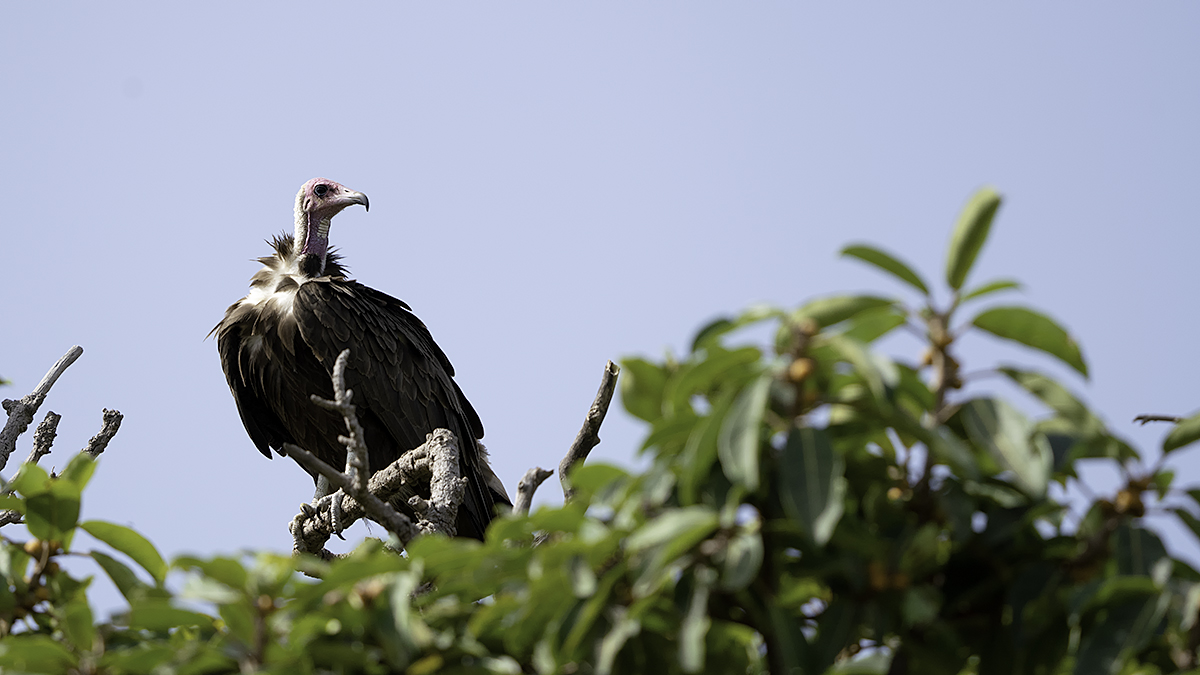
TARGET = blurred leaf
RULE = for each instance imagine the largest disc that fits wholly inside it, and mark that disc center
(1136, 549)
(642, 385)
(872, 324)
(696, 623)
(35, 654)
(887, 263)
(997, 426)
(225, 570)
(30, 481)
(829, 311)
(77, 624)
(811, 484)
(1057, 398)
(989, 288)
(693, 524)
(702, 376)
(122, 577)
(738, 443)
(970, 234)
(723, 325)
(132, 544)
(877, 370)
(1183, 433)
(12, 503)
(606, 653)
(743, 559)
(52, 515)
(1031, 329)
(79, 471)
(157, 614)
(835, 630)
(583, 579)
(588, 479)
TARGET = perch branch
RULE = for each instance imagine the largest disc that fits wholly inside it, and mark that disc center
(528, 485)
(20, 413)
(401, 480)
(446, 486)
(108, 429)
(1143, 419)
(379, 510)
(589, 435)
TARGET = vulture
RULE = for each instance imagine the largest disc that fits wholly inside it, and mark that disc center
(279, 343)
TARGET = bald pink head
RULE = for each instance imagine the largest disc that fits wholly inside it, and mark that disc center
(318, 201)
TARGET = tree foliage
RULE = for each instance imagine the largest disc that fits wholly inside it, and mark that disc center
(811, 506)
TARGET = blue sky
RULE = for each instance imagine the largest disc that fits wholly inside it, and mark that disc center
(558, 184)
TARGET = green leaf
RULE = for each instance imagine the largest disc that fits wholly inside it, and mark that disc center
(642, 385)
(812, 483)
(738, 443)
(887, 263)
(122, 577)
(692, 523)
(1031, 329)
(743, 559)
(606, 653)
(225, 570)
(1183, 433)
(1057, 398)
(989, 288)
(79, 471)
(157, 614)
(829, 311)
(701, 376)
(723, 325)
(52, 515)
(970, 234)
(868, 326)
(835, 631)
(588, 479)
(1008, 436)
(78, 625)
(35, 654)
(130, 543)
(696, 623)
(30, 481)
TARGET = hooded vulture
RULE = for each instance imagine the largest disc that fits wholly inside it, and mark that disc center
(279, 343)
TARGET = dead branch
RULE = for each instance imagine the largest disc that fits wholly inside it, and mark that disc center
(446, 486)
(44, 437)
(378, 510)
(589, 435)
(108, 429)
(527, 486)
(1143, 419)
(20, 413)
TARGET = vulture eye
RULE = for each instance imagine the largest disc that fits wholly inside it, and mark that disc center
(321, 189)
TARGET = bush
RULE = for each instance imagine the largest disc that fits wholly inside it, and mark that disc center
(812, 507)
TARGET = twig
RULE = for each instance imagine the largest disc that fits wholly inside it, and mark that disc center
(589, 435)
(357, 465)
(528, 485)
(379, 510)
(20, 413)
(44, 437)
(108, 429)
(1143, 419)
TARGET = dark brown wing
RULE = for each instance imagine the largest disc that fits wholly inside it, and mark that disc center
(399, 376)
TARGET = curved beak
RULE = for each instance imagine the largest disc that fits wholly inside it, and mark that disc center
(352, 197)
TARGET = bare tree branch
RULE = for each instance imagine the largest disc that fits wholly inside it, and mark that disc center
(446, 485)
(378, 510)
(20, 413)
(1143, 419)
(527, 486)
(108, 429)
(44, 437)
(589, 435)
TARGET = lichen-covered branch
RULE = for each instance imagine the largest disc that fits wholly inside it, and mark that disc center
(589, 435)
(20, 413)
(43, 437)
(446, 485)
(108, 429)
(527, 486)
(374, 507)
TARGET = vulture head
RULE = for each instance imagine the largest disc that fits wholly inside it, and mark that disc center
(318, 201)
